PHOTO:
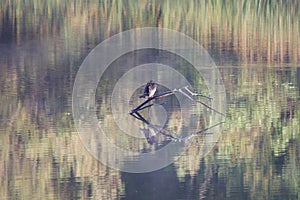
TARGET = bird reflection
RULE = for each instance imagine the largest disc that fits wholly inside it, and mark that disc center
(150, 135)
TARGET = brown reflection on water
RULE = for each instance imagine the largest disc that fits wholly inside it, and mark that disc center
(243, 31)
(263, 126)
(42, 44)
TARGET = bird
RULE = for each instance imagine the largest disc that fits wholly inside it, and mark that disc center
(149, 90)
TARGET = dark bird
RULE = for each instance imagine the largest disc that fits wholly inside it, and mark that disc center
(149, 90)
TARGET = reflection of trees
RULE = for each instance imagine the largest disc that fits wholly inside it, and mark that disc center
(261, 141)
(40, 153)
(50, 162)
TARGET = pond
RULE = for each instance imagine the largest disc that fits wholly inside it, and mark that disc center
(250, 57)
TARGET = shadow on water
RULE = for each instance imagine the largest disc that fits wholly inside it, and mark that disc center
(164, 184)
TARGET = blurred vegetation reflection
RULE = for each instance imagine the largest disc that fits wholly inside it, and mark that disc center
(256, 43)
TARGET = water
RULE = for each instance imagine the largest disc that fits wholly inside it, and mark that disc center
(42, 46)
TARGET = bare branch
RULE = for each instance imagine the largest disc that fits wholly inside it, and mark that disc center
(196, 94)
(140, 106)
(189, 94)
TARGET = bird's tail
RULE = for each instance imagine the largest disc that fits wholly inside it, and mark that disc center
(143, 95)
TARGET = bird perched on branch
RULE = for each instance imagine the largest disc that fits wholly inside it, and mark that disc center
(149, 90)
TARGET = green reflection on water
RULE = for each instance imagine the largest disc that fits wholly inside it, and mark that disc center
(44, 42)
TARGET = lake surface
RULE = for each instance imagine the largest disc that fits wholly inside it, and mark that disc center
(255, 46)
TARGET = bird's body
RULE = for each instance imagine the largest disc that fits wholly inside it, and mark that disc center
(149, 90)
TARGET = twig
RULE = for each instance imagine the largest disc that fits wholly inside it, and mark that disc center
(200, 133)
(206, 129)
(207, 106)
(185, 94)
(196, 94)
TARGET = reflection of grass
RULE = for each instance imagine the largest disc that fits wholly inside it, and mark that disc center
(44, 161)
(251, 30)
(257, 129)
(257, 31)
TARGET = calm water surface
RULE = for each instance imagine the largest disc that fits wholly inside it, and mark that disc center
(257, 155)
